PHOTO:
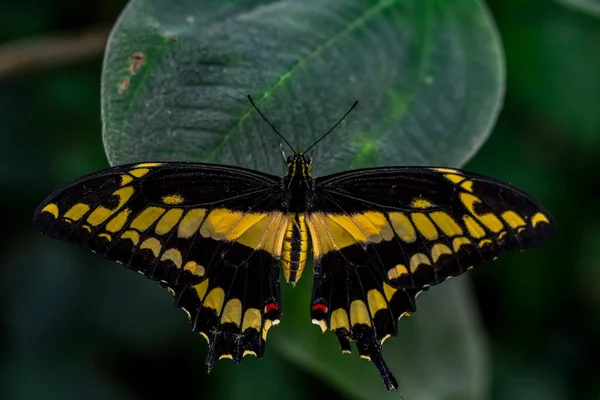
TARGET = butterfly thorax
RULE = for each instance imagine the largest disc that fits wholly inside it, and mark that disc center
(298, 181)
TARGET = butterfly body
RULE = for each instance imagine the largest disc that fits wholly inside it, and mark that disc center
(217, 236)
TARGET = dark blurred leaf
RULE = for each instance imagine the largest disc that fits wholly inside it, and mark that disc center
(553, 63)
(588, 6)
(71, 379)
(40, 297)
(430, 77)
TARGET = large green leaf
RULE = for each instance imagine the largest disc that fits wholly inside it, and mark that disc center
(429, 76)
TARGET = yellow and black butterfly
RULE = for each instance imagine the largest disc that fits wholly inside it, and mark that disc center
(216, 237)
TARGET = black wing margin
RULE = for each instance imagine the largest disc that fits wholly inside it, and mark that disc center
(210, 234)
(381, 236)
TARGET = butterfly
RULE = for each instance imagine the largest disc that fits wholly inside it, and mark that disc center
(219, 236)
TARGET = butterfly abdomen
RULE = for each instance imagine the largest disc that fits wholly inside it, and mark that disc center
(295, 246)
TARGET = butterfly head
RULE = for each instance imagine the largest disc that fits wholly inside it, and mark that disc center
(299, 165)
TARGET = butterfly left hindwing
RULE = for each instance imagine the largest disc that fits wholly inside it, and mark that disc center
(211, 234)
(381, 236)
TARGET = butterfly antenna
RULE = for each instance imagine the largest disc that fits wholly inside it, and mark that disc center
(335, 126)
(270, 124)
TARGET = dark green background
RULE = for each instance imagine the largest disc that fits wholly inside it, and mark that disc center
(74, 326)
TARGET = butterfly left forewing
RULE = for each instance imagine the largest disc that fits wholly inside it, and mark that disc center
(381, 236)
(211, 234)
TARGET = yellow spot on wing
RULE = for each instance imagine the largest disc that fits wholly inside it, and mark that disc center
(468, 186)
(173, 255)
(374, 225)
(221, 221)
(485, 242)
(265, 329)
(513, 219)
(117, 223)
(168, 221)
(148, 164)
(447, 170)
(438, 250)
(488, 219)
(336, 231)
(346, 232)
(454, 178)
(131, 235)
(77, 211)
(249, 353)
(321, 242)
(153, 244)
(190, 222)
(397, 271)
(339, 319)
(201, 289)
(474, 229)
(446, 223)
(417, 260)
(125, 179)
(205, 336)
(105, 236)
(146, 218)
(252, 319)
(403, 227)
(232, 312)
(172, 199)
(101, 213)
(389, 291)
(458, 242)
(138, 173)
(215, 299)
(222, 356)
(376, 301)
(327, 234)
(539, 217)
(194, 268)
(267, 233)
(421, 203)
(359, 313)
(52, 209)
(424, 225)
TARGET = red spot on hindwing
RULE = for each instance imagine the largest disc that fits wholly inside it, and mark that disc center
(320, 306)
(271, 306)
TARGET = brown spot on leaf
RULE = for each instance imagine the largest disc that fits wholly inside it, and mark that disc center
(136, 62)
(124, 84)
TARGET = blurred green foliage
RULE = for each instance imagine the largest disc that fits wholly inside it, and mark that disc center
(74, 326)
